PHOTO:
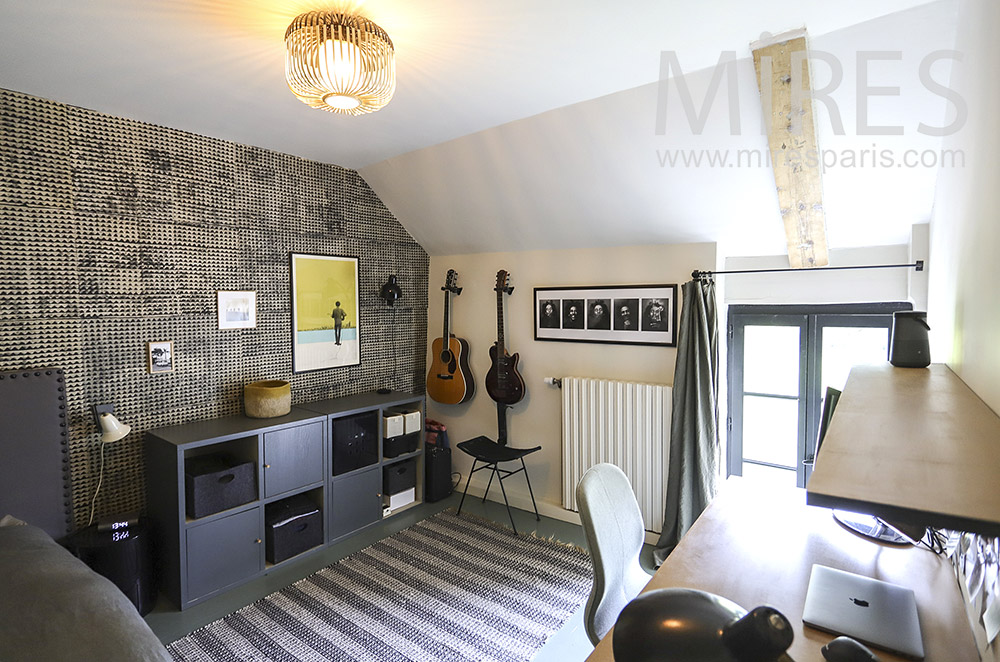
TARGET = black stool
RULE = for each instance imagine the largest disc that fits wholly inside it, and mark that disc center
(490, 453)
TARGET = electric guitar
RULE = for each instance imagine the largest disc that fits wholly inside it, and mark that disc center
(450, 380)
(503, 382)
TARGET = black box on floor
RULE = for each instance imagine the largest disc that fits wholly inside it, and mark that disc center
(399, 476)
(437, 473)
(213, 483)
(355, 442)
(404, 443)
(123, 556)
(292, 526)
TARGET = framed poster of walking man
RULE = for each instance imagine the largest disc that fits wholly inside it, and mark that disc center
(325, 312)
(623, 314)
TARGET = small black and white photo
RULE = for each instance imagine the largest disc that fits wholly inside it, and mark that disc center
(237, 310)
(626, 314)
(548, 314)
(572, 313)
(599, 314)
(160, 356)
(613, 314)
(655, 315)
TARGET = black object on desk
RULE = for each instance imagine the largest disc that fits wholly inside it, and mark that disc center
(686, 624)
(120, 553)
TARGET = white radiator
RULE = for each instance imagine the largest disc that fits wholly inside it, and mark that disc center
(624, 423)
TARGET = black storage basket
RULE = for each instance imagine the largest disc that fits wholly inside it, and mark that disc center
(404, 443)
(213, 483)
(400, 476)
(355, 442)
(293, 525)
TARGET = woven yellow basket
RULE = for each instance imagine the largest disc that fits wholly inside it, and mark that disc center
(267, 399)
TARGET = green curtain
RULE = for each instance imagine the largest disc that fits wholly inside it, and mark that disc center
(694, 427)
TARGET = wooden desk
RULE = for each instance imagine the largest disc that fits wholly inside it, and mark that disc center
(756, 545)
(915, 445)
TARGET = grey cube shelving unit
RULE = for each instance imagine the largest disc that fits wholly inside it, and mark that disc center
(356, 496)
(292, 455)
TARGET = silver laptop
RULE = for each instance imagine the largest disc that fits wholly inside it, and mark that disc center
(874, 612)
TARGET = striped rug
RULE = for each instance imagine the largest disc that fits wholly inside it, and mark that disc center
(447, 588)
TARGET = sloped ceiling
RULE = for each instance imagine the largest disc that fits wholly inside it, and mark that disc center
(514, 125)
(597, 173)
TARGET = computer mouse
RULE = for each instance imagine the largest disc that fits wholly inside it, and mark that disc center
(845, 649)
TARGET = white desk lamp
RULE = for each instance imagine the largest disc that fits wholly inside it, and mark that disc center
(111, 430)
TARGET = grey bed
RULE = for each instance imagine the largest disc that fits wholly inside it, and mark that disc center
(52, 606)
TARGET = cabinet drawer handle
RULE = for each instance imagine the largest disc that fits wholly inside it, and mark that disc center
(257, 541)
(267, 466)
(228, 478)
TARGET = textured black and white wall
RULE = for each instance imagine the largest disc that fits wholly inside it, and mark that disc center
(114, 233)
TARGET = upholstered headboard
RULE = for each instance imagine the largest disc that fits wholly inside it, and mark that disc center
(34, 449)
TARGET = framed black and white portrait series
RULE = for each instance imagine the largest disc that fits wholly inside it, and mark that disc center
(624, 314)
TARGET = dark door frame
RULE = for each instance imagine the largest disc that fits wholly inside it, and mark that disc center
(811, 319)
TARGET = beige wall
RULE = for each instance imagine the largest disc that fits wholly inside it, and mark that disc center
(963, 308)
(964, 313)
(536, 419)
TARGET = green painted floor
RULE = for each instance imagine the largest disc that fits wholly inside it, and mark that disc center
(570, 643)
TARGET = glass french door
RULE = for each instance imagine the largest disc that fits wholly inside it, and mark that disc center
(768, 409)
(781, 360)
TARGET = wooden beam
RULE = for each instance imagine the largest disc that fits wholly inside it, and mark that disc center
(786, 97)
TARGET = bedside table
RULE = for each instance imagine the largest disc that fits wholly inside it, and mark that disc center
(121, 555)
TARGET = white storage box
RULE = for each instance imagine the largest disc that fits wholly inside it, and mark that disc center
(411, 422)
(392, 425)
(400, 499)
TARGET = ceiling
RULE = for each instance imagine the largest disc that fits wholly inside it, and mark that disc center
(533, 120)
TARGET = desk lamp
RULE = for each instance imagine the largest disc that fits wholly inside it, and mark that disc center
(390, 293)
(112, 430)
(687, 625)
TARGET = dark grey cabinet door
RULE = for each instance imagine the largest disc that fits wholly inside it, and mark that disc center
(356, 501)
(223, 552)
(293, 458)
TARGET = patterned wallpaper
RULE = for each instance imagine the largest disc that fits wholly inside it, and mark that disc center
(114, 233)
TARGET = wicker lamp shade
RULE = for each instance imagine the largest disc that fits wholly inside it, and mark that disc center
(339, 62)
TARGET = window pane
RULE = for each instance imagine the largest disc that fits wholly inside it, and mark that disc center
(846, 347)
(770, 430)
(771, 360)
(770, 475)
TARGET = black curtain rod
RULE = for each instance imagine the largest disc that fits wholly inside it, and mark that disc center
(698, 275)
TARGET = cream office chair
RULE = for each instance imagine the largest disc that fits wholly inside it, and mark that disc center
(613, 527)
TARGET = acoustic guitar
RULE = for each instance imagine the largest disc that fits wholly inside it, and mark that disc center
(503, 382)
(449, 380)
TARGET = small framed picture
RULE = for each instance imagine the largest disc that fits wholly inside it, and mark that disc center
(237, 310)
(160, 354)
(621, 314)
